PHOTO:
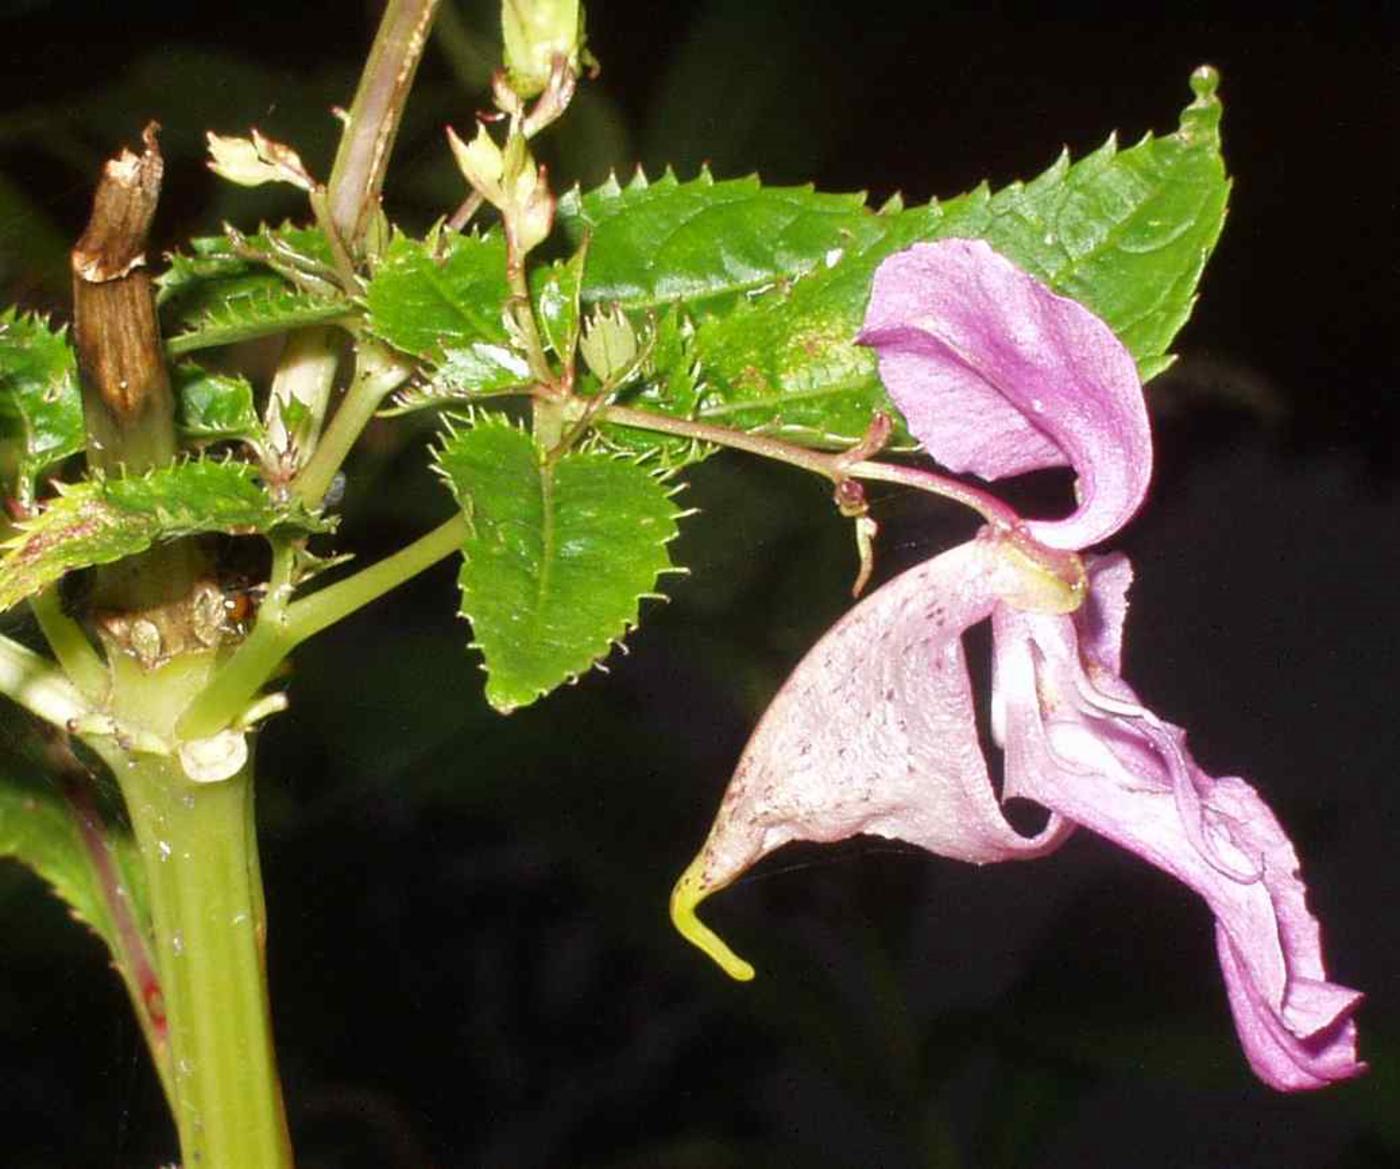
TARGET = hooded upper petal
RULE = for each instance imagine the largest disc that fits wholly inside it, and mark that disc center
(1078, 741)
(995, 374)
(875, 733)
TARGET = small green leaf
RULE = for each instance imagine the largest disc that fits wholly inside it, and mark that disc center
(38, 829)
(260, 310)
(559, 555)
(40, 405)
(224, 266)
(704, 242)
(234, 287)
(427, 305)
(472, 371)
(670, 385)
(101, 520)
(214, 406)
(556, 291)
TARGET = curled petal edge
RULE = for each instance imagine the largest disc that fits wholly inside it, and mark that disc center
(996, 374)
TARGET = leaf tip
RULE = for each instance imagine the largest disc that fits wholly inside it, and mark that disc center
(689, 891)
(1200, 121)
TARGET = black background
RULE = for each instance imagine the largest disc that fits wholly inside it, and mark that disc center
(470, 958)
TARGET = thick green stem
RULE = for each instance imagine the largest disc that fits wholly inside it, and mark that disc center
(199, 848)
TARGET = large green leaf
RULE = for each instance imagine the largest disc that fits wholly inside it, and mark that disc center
(705, 242)
(40, 829)
(1125, 232)
(40, 405)
(101, 520)
(560, 553)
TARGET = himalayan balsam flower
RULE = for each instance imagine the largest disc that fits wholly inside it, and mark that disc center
(875, 731)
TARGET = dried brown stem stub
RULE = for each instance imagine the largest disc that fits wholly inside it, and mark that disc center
(128, 407)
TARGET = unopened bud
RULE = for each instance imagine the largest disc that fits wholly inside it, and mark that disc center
(533, 218)
(251, 162)
(535, 32)
(608, 344)
(480, 162)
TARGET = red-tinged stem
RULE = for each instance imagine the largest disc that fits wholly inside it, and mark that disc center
(834, 465)
(372, 122)
(133, 955)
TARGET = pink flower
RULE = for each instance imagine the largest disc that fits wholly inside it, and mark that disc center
(874, 732)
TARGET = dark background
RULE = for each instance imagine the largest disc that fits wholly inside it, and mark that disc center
(470, 957)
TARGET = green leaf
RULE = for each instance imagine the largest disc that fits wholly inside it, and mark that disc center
(705, 242)
(472, 371)
(234, 288)
(559, 555)
(101, 520)
(214, 406)
(38, 829)
(1125, 232)
(40, 404)
(556, 291)
(260, 309)
(428, 304)
(222, 266)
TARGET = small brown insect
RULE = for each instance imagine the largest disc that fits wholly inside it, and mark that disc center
(241, 601)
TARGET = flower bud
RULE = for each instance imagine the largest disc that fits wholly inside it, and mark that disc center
(480, 162)
(608, 344)
(253, 162)
(535, 32)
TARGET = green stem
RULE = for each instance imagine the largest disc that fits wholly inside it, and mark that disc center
(282, 629)
(307, 617)
(69, 643)
(303, 380)
(377, 374)
(36, 685)
(200, 854)
(373, 118)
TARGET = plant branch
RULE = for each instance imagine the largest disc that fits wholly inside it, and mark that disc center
(282, 628)
(128, 405)
(836, 466)
(301, 385)
(310, 615)
(377, 374)
(36, 685)
(69, 643)
(372, 122)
